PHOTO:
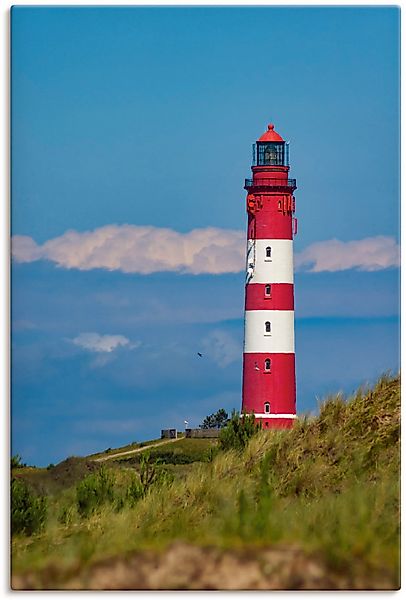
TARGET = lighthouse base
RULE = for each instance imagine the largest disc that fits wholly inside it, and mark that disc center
(268, 421)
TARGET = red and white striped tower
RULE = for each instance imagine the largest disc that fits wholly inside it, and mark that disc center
(269, 388)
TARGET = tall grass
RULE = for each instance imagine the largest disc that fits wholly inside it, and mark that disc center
(330, 485)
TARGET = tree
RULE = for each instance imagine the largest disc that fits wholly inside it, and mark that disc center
(216, 420)
(238, 431)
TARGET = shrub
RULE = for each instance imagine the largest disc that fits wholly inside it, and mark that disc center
(148, 471)
(28, 512)
(66, 515)
(164, 477)
(211, 454)
(16, 462)
(95, 490)
(173, 458)
(238, 431)
(134, 491)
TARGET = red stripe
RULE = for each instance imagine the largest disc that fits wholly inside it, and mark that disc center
(269, 222)
(276, 387)
(277, 172)
(281, 297)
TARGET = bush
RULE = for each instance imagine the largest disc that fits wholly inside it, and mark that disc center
(16, 462)
(238, 431)
(211, 454)
(66, 515)
(95, 490)
(148, 470)
(134, 491)
(171, 458)
(28, 512)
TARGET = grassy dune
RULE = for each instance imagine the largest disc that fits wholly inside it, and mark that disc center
(329, 488)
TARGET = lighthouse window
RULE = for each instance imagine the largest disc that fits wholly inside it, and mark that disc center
(268, 252)
(267, 364)
(268, 290)
(270, 153)
(267, 407)
(267, 327)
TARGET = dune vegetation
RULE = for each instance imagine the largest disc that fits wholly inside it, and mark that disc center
(327, 489)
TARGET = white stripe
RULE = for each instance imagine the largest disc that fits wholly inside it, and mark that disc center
(282, 336)
(278, 268)
(272, 416)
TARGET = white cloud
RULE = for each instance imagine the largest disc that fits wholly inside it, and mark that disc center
(142, 249)
(102, 343)
(136, 249)
(368, 254)
(25, 249)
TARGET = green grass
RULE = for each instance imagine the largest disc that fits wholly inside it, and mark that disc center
(330, 485)
(182, 452)
(126, 448)
(54, 480)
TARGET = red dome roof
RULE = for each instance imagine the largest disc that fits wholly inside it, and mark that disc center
(270, 135)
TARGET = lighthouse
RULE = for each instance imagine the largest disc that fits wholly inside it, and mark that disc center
(269, 387)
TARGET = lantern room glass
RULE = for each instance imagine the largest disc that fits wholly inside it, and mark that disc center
(271, 153)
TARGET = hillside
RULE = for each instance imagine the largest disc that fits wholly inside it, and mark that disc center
(316, 507)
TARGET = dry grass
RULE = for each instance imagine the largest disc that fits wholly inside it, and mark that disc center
(329, 486)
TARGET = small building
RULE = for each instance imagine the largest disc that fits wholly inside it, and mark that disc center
(171, 434)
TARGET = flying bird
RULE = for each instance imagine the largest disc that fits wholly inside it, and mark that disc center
(199, 354)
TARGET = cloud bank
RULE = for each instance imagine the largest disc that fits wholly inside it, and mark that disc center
(136, 249)
(145, 250)
(369, 254)
(101, 343)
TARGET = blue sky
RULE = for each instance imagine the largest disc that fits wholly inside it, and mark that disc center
(132, 129)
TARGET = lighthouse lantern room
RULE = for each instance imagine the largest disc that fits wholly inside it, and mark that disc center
(269, 388)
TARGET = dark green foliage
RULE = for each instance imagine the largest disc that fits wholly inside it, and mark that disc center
(211, 453)
(94, 491)
(253, 511)
(28, 512)
(173, 458)
(65, 515)
(148, 471)
(238, 431)
(119, 503)
(50, 466)
(134, 491)
(56, 479)
(216, 420)
(16, 462)
(184, 452)
(151, 474)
